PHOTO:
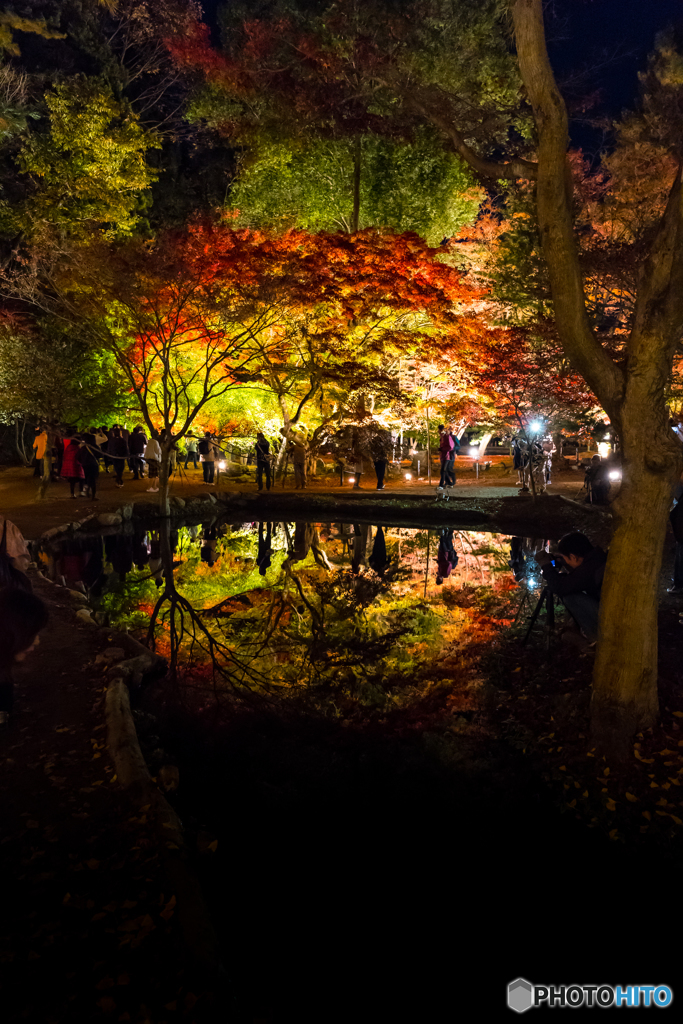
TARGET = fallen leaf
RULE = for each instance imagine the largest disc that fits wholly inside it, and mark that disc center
(92, 864)
(631, 797)
(213, 846)
(646, 814)
(611, 806)
(107, 1004)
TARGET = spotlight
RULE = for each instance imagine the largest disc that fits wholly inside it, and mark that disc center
(536, 427)
(352, 479)
(615, 474)
(222, 465)
(409, 476)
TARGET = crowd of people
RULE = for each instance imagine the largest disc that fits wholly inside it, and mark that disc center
(79, 457)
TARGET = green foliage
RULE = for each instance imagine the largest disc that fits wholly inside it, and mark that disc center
(51, 374)
(416, 186)
(89, 170)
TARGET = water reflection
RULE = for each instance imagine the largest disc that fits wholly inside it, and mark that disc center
(349, 608)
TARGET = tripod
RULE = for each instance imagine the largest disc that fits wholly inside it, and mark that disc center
(548, 598)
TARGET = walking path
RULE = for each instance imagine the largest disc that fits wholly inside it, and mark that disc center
(18, 491)
(89, 929)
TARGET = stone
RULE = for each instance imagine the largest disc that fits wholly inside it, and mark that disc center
(83, 615)
(127, 512)
(135, 668)
(111, 655)
(109, 519)
(178, 502)
(75, 526)
(76, 595)
(212, 498)
(169, 777)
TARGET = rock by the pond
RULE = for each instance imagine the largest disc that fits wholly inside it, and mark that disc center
(169, 777)
(83, 615)
(111, 655)
(135, 668)
(77, 596)
(212, 498)
(178, 502)
(127, 511)
(109, 519)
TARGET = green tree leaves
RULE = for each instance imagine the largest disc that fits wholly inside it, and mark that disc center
(88, 171)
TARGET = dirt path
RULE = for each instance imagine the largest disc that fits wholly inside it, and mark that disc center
(88, 923)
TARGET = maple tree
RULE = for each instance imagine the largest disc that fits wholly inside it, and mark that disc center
(350, 65)
(196, 315)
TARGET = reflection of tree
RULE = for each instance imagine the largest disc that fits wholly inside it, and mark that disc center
(189, 635)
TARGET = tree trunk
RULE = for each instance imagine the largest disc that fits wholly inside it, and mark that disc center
(164, 481)
(356, 186)
(625, 697)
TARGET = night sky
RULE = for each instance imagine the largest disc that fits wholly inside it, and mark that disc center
(581, 32)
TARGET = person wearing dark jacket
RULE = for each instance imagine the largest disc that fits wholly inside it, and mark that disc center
(137, 444)
(676, 520)
(87, 457)
(580, 587)
(262, 461)
(117, 449)
(447, 457)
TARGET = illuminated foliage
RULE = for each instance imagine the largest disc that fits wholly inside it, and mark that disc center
(88, 171)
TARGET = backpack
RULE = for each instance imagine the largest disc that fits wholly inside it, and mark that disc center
(203, 447)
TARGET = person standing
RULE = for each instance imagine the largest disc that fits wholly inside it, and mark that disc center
(118, 451)
(446, 457)
(207, 453)
(298, 450)
(22, 616)
(102, 439)
(191, 450)
(137, 445)
(72, 470)
(676, 519)
(153, 460)
(39, 447)
(87, 456)
(262, 461)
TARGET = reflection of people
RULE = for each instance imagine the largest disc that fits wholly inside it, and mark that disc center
(580, 587)
(22, 616)
(378, 559)
(446, 556)
(208, 549)
(265, 549)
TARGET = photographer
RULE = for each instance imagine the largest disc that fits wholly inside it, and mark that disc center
(579, 586)
(597, 481)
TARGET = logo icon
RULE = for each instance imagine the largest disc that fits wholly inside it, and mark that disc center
(520, 995)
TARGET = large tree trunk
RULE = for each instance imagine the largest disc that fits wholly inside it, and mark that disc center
(625, 676)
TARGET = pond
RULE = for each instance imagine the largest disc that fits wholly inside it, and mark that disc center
(316, 612)
(327, 706)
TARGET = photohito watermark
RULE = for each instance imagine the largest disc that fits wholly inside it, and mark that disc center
(522, 995)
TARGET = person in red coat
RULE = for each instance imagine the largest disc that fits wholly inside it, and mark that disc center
(72, 470)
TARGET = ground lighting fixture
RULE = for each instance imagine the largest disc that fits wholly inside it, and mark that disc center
(409, 476)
